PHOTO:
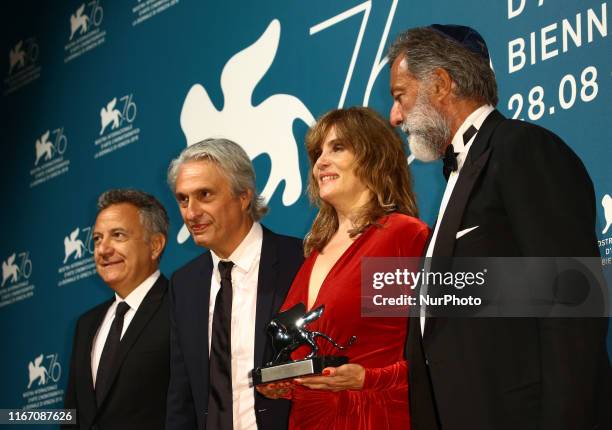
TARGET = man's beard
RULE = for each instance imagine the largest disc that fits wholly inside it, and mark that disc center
(428, 130)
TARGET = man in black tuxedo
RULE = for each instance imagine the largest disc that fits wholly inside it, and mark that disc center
(119, 369)
(514, 190)
(222, 301)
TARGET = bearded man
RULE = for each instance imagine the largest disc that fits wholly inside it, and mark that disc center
(514, 190)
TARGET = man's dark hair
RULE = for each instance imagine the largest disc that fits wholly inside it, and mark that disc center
(425, 49)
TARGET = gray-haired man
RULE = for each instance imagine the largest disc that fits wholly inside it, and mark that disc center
(222, 301)
(514, 189)
(119, 369)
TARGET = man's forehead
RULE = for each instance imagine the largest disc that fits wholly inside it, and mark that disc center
(196, 175)
(399, 69)
(399, 64)
(402, 78)
(116, 216)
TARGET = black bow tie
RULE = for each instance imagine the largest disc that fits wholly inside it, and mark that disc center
(450, 156)
(450, 161)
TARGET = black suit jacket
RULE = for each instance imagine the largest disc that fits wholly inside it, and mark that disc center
(281, 258)
(137, 397)
(529, 195)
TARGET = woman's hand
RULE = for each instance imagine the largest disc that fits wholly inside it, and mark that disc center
(277, 390)
(346, 377)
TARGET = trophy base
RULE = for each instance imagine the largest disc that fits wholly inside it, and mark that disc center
(295, 369)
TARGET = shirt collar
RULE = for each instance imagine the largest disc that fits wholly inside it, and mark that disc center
(476, 119)
(245, 255)
(135, 298)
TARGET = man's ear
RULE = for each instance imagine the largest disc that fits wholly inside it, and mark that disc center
(441, 86)
(158, 242)
(245, 199)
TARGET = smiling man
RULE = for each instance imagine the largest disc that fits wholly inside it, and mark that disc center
(119, 369)
(222, 301)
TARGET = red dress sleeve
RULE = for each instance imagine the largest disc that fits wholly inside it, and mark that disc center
(396, 374)
(380, 378)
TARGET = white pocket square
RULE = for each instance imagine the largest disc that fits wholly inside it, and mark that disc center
(466, 231)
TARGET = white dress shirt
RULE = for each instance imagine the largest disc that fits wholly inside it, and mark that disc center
(245, 273)
(134, 299)
(475, 119)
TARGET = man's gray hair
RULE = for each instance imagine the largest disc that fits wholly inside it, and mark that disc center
(425, 50)
(153, 215)
(233, 162)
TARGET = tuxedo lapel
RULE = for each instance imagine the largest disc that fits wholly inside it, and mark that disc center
(201, 302)
(445, 242)
(145, 311)
(481, 142)
(87, 395)
(477, 159)
(266, 293)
